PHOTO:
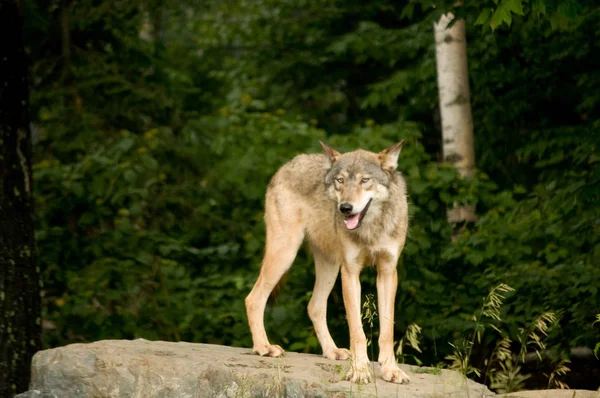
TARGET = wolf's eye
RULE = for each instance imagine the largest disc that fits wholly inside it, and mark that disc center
(364, 180)
(340, 180)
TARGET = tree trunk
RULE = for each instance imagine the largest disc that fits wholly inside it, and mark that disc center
(455, 104)
(65, 30)
(20, 317)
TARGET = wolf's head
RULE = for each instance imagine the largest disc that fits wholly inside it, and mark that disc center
(359, 180)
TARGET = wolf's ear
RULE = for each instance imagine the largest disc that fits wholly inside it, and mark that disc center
(331, 153)
(389, 157)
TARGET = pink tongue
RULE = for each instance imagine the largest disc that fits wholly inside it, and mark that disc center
(352, 222)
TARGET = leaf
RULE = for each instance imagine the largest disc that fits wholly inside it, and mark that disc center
(407, 11)
(144, 258)
(570, 8)
(515, 6)
(539, 6)
(559, 21)
(149, 162)
(340, 46)
(98, 186)
(504, 12)
(297, 346)
(484, 16)
(596, 349)
(475, 257)
(126, 144)
(520, 189)
(75, 187)
(499, 16)
(129, 176)
(87, 218)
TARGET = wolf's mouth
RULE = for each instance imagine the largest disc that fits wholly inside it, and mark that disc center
(353, 221)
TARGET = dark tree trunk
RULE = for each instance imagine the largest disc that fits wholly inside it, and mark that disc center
(20, 317)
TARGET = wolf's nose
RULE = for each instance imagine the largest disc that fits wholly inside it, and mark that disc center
(346, 208)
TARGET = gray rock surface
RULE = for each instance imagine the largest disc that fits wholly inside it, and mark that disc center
(553, 394)
(141, 368)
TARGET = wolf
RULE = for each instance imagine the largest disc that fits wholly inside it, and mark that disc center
(352, 210)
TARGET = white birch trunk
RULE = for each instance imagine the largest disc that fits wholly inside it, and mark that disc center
(455, 104)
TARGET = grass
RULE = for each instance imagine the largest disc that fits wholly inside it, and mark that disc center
(502, 368)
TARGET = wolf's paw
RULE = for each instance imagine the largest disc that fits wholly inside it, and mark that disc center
(270, 350)
(338, 353)
(359, 374)
(394, 374)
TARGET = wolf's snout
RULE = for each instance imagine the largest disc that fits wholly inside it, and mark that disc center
(346, 208)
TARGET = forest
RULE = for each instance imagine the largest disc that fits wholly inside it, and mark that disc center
(156, 126)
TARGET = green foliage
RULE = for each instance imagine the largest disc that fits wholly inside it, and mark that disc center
(597, 348)
(502, 368)
(112, 234)
(542, 240)
(560, 14)
(509, 378)
(489, 312)
(410, 339)
(560, 369)
(146, 220)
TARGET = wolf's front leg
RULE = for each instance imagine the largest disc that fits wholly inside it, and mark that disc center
(387, 283)
(326, 272)
(359, 369)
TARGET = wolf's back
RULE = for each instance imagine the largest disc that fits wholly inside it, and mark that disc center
(303, 175)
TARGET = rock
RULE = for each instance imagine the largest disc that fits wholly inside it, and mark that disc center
(141, 368)
(552, 394)
(293, 389)
(35, 394)
(229, 392)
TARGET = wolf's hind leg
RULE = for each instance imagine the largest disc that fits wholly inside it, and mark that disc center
(325, 275)
(284, 237)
